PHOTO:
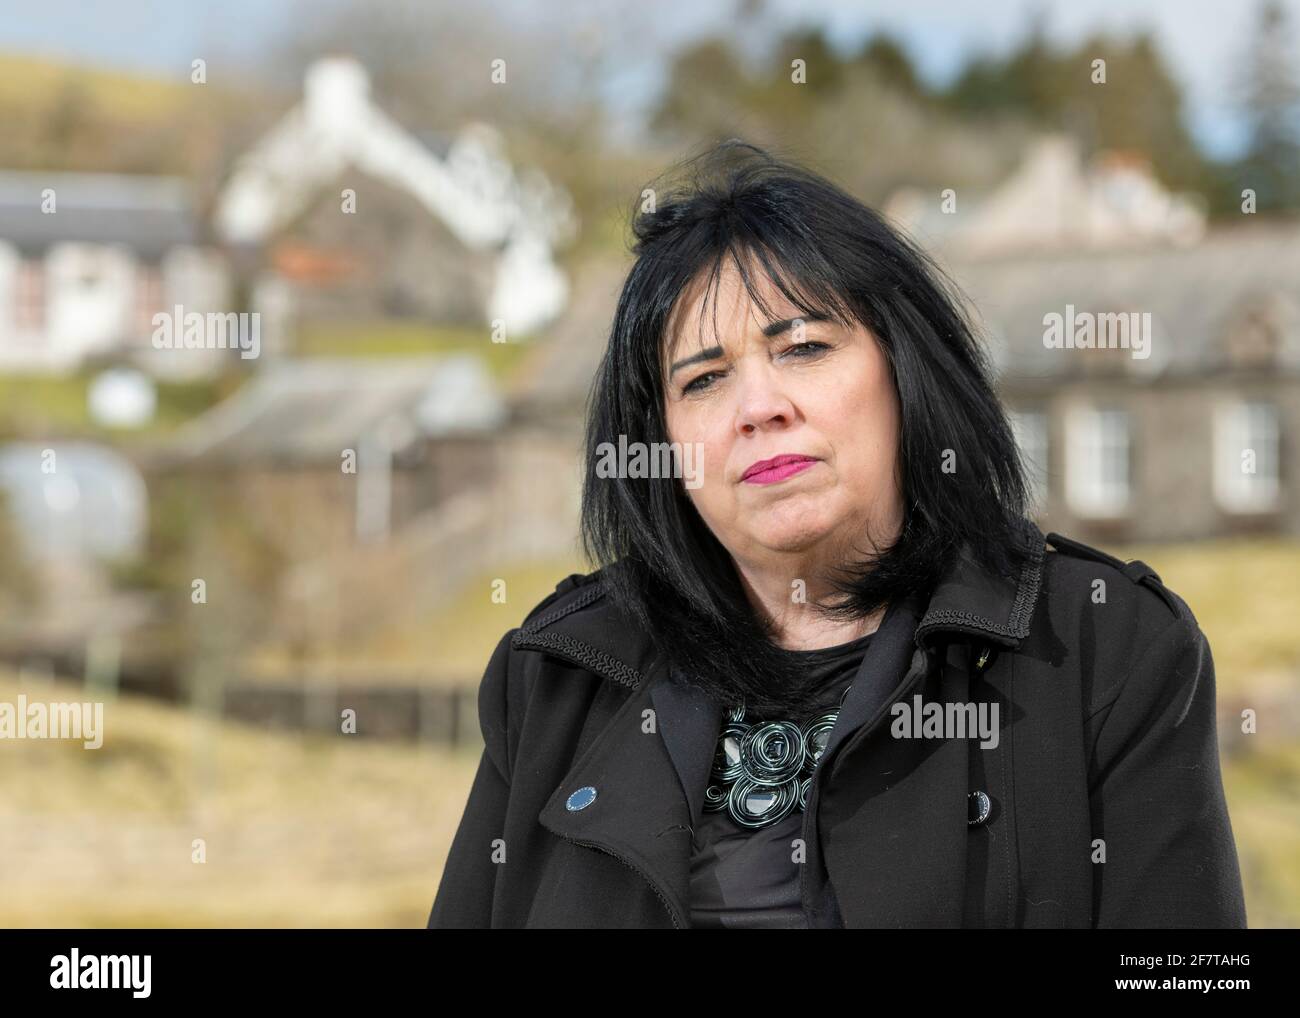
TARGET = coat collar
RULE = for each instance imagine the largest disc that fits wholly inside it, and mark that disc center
(973, 601)
(584, 627)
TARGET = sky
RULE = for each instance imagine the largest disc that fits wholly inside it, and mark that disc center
(1201, 39)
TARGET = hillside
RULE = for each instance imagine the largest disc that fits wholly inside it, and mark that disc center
(64, 117)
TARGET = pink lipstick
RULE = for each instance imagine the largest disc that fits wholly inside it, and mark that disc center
(776, 469)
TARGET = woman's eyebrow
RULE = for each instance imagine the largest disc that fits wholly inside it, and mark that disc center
(708, 354)
(776, 328)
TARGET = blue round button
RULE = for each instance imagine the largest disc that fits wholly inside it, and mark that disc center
(581, 799)
(978, 807)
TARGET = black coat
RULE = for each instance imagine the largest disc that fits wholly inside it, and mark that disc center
(1107, 744)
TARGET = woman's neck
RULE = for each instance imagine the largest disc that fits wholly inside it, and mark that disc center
(787, 595)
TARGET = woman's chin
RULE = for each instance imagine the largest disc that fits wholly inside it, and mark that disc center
(791, 535)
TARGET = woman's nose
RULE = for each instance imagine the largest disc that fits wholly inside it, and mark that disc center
(762, 405)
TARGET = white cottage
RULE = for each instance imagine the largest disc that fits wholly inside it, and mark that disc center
(512, 218)
(88, 259)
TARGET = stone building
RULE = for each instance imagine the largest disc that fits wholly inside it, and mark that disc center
(1175, 423)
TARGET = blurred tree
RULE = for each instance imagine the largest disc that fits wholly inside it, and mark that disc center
(707, 91)
(888, 61)
(1137, 107)
(824, 68)
(1271, 165)
(1021, 82)
(866, 116)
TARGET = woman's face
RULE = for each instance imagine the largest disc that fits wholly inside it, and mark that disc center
(814, 396)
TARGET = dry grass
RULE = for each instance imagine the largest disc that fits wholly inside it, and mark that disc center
(298, 831)
(1263, 792)
(452, 647)
(35, 83)
(1245, 595)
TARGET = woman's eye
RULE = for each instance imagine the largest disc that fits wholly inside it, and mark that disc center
(701, 383)
(806, 349)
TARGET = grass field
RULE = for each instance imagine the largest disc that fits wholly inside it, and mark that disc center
(297, 831)
(1245, 594)
(58, 405)
(397, 338)
(33, 84)
(1263, 793)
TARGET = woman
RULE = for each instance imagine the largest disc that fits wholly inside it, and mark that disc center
(828, 675)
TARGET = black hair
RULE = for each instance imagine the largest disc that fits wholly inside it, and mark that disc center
(829, 255)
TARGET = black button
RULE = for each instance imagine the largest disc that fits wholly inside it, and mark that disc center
(978, 808)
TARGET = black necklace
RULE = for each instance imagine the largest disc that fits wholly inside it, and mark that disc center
(761, 769)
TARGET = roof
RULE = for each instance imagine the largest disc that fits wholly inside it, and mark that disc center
(147, 214)
(311, 409)
(1055, 200)
(1194, 294)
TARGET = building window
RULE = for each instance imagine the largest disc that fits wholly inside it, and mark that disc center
(29, 296)
(1030, 430)
(1246, 438)
(1097, 463)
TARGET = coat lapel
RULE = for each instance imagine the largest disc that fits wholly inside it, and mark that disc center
(642, 812)
(690, 723)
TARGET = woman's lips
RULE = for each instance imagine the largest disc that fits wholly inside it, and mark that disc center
(778, 469)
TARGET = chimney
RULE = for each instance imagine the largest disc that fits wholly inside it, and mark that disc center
(335, 89)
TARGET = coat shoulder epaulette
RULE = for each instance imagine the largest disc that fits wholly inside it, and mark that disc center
(1136, 570)
(538, 617)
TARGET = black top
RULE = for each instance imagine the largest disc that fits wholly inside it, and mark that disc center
(747, 878)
